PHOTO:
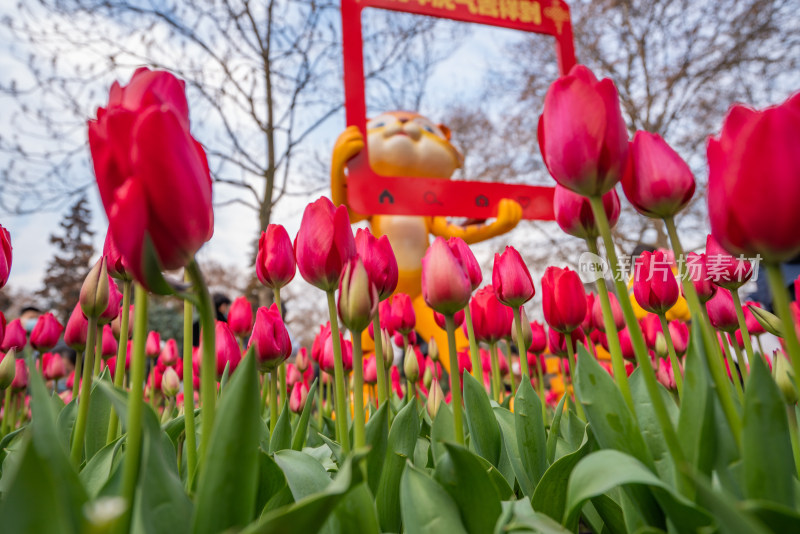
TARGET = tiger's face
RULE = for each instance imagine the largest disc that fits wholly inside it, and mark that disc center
(402, 143)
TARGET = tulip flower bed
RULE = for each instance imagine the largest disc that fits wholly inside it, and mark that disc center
(620, 417)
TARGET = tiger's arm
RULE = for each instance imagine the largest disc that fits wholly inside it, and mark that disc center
(347, 146)
(509, 213)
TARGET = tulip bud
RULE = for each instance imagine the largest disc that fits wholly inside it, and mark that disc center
(275, 261)
(108, 343)
(14, 337)
(411, 365)
(153, 346)
(8, 369)
(20, 381)
(116, 324)
(511, 279)
(574, 212)
(324, 244)
(169, 354)
(458, 319)
(379, 261)
(722, 312)
(270, 338)
(370, 370)
(46, 333)
(95, 291)
(301, 361)
(527, 333)
(770, 322)
(358, 297)
(433, 350)
(697, 272)
(446, 287)
(403, 318)
(784, 377)
(388, 349)
(114, 300)
(435, 397)
(77, 329)
(680, 336)
(616, 313)
(53, 366)
(240, 317)
(654, 285)
(467, 260)
(660, 347)
(170, 383)
(297, 399)
(563, 299)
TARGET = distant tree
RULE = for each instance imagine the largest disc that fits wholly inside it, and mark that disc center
(66, 271)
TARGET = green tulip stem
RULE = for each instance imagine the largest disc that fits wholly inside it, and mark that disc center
(715, 365)
(522, 348)
(734, 375)
(76, 375)
(573, 369)
(208, 362)
(282, 369)
(617, 361)
(340, 406)
(760, 347)
(511, 376)
(76, 451)
(319, 401)
(264, 382)
(791, 411)
(133, 451)
(359, 437)
(188, 395)
(455, 378)
(12, 409)
(637, 340)
(122, 353)
(380, 365)
(496, 381)
(780, 303)
(740, 358)
(273, 400)
(474, 355)
(673, 356)
(748, 343)
(98, 350)
(4, 427)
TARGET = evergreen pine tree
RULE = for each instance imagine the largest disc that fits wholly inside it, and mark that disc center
(68, 268)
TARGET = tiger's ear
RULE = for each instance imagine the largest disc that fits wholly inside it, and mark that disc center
(445, 130)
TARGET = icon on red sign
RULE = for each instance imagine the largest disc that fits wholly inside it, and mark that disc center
(481, 201)
(430, 198)
(386, 196)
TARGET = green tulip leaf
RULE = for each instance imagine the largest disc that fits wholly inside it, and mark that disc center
(282, 437)
(531, 439)
(426, 507)
(377, 437)
(648, 423)
(555, 430)
(270, 480)
(304, 475)
(483, 428)
(355, 512)
(97, 421)
(506, 421)
(769, 472)
(443, 429)
(66, 421)
(97, 471)
(550, 496)
(402, 441)
(226, 491)
(696, 420)
(300, 433)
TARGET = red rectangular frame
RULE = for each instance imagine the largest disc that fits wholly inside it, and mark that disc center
(369, 192)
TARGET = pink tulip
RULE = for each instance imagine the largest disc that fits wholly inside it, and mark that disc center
(582, 135)
(563, 299)
(491, 320)
(117, 265)
(53, 366)
(169, 356)
(114, 301)
(664, 372)
(270, 339)
(538, 338)
(446, 286)
(15, 336)
(723, 269)
(721, 311)
(293, 375)
(458, 319)
(511, 279)
(370, 371)
(153, 346)
(145, 159)
(394, 375)
(5, 256)
(657, 181)
(116, 324)
(574, 212)
(228, 352)
(324, 244)
(46, 333)
(616, 313)
(379, 261)
(297, 400)
(109, 344)
(240, 317)
(467, 259)
(654, 285)
(754, 181)
(20, 381)
(753, 326)
(170, 382)
(557, 341)
(302, 360)
(697, 272)
(402, 315)
(275, 261)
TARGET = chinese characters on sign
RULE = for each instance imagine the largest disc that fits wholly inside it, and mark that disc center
(719, 268)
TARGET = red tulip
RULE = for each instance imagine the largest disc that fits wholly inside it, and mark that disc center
(358, 296)
(616, 312)
(511, 279)
(654, 285)
(486, 362)
(464, 362)
(557, 341)
(680, 336)
(297, 399)
(722, 312)
(46, 333)
(664, 372)
(370, 370)
(319, 339)
(153, 346)
(326, 361)
(53, 366)
(5, 256)
(144, 159)
(293, 375)
(582, 135)
(324, 244)
(467, 259)
(20, 381)
(458, 319)
(379, 261)
(491, 319)
(240, 317)
(697, 272)
(723, 269)
(574, 212)
(275, 262)
(117, 265)
(537, 361)
(228, 352)
(394, 374)
(538, 338)
(446, 286)
(754, 181)
(112, 362)
(270, 338)
(563, 299)
(156, 378)
(109, 344)
(169, 356)
(15, 336)
(651, 328)
(402, 316)
(114, 300)
(657, 181)
(2, 326)
(626, 345)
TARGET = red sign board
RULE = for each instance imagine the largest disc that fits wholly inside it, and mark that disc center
(369, 192)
